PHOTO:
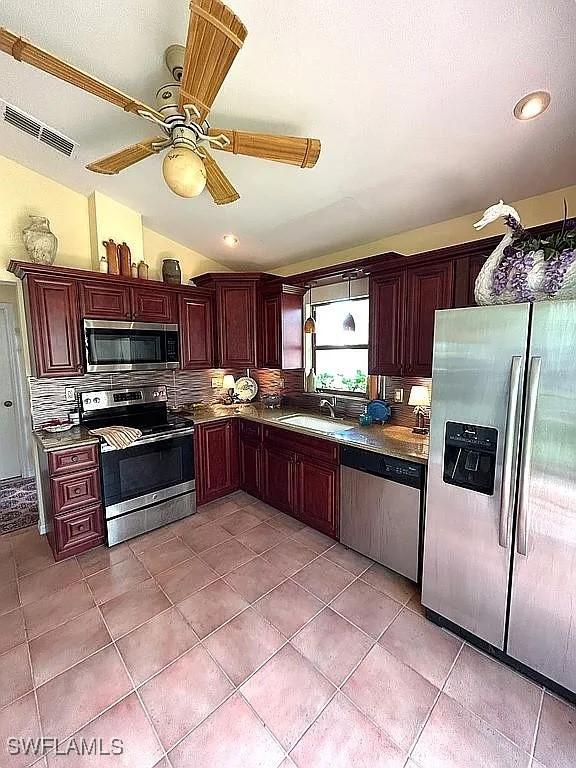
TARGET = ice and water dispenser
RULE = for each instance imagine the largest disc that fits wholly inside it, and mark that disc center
(470, 456)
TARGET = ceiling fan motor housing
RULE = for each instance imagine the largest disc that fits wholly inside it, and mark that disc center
(167, 98)
(174, 59)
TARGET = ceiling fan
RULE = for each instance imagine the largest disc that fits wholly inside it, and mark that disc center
(215, 35)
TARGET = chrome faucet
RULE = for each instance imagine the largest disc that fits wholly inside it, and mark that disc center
(330, 405)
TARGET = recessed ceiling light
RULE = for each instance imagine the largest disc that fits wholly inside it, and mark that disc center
(230, 240)
(532, 105)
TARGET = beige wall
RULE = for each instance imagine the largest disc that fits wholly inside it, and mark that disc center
(24, 192)
(533, 211)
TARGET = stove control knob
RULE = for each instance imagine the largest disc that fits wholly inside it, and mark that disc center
(87, 401)
(96, 399)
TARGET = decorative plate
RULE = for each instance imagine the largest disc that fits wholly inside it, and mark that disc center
(245, 389)
(58, 427)
(379, 410)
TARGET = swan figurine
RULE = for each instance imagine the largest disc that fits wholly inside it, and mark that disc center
(510, 275)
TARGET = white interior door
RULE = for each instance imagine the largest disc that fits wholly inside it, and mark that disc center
(9, 427)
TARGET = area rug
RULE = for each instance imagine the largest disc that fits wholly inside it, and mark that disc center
(18, 504)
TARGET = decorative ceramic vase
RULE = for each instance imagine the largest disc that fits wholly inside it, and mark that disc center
(125, 259)
(134, 270)
(143, 270)
(171, 271)
(41, 244)
(112, 257)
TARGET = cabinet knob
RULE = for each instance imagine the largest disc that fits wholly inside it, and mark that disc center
(77, 491)
(74, 459)
(81, 527)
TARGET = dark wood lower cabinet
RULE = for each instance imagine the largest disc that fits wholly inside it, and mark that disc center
(293, 473)
(251, 468)
(279, 475)
(318, 497)
(71, 493)
(216, 460)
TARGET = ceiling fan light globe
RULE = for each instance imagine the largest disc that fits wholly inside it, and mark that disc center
(184, 172)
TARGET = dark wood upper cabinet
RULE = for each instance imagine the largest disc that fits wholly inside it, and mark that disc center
(235, 316)
(216, 460)
(154, 305)
(103, 300)
(429, 287)
(54, 326)
(196, 332)
(236, 305)
(280, 320)
(387, 306)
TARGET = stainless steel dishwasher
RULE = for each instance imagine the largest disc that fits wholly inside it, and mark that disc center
(381, 508)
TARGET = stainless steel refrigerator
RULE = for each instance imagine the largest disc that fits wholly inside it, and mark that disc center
(500, 535)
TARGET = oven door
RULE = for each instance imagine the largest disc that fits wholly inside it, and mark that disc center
(150, 471)
(116, 346)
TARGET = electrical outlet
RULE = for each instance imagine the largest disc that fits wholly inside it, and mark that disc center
(281, 383)
(70, 393)
(398, 395)
(216, 382)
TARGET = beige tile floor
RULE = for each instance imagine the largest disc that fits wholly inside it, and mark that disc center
(240, 638)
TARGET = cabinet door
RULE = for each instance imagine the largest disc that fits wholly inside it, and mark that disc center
(196, 333)
(385, 345)
(278, 477)
(216, 460)
(318, 495)
(54, 326)
(250, 468)
(153, 305)
(429, 288)
(237, 324)
(270, 332)
(105, 300)
(466, 270)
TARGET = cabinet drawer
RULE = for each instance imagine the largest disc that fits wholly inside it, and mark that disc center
(250, 431)
(313, 447)
(78, 531)
(73, 459)
(71, 492)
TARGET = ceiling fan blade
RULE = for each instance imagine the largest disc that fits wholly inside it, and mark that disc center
(125, 157)
(217, 183)
(22, 50)
(215, 35)
(283, 149)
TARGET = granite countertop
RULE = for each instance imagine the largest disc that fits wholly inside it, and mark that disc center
(72, 438)
(390, 440)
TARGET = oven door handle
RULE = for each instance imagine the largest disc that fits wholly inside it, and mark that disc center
(105, 448)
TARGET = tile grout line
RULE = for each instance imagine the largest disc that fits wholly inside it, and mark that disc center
(537, 727)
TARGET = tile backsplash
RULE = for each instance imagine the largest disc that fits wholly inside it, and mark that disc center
(402, 413)
(48, 396)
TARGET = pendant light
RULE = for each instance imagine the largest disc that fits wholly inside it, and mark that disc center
(310, 324)
(349, 324)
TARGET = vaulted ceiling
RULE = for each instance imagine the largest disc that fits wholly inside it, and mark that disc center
(412, 102)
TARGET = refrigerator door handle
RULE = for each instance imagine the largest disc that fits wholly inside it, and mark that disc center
(526, 459)
(509, 452)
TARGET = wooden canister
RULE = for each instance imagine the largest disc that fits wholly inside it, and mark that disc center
(112, 257)
(125, 259)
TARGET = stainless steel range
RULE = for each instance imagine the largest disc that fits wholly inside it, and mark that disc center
(151, 483)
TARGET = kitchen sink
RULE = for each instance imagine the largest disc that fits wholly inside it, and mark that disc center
(316, 424)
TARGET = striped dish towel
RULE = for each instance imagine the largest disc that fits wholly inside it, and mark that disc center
(118, 437)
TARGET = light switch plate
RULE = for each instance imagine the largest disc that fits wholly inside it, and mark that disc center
(70, 393)
(216, 382)
(398, 395)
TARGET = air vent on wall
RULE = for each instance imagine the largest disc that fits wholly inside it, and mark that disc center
(33, 127)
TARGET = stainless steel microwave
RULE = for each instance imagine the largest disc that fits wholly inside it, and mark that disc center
(112, 345)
